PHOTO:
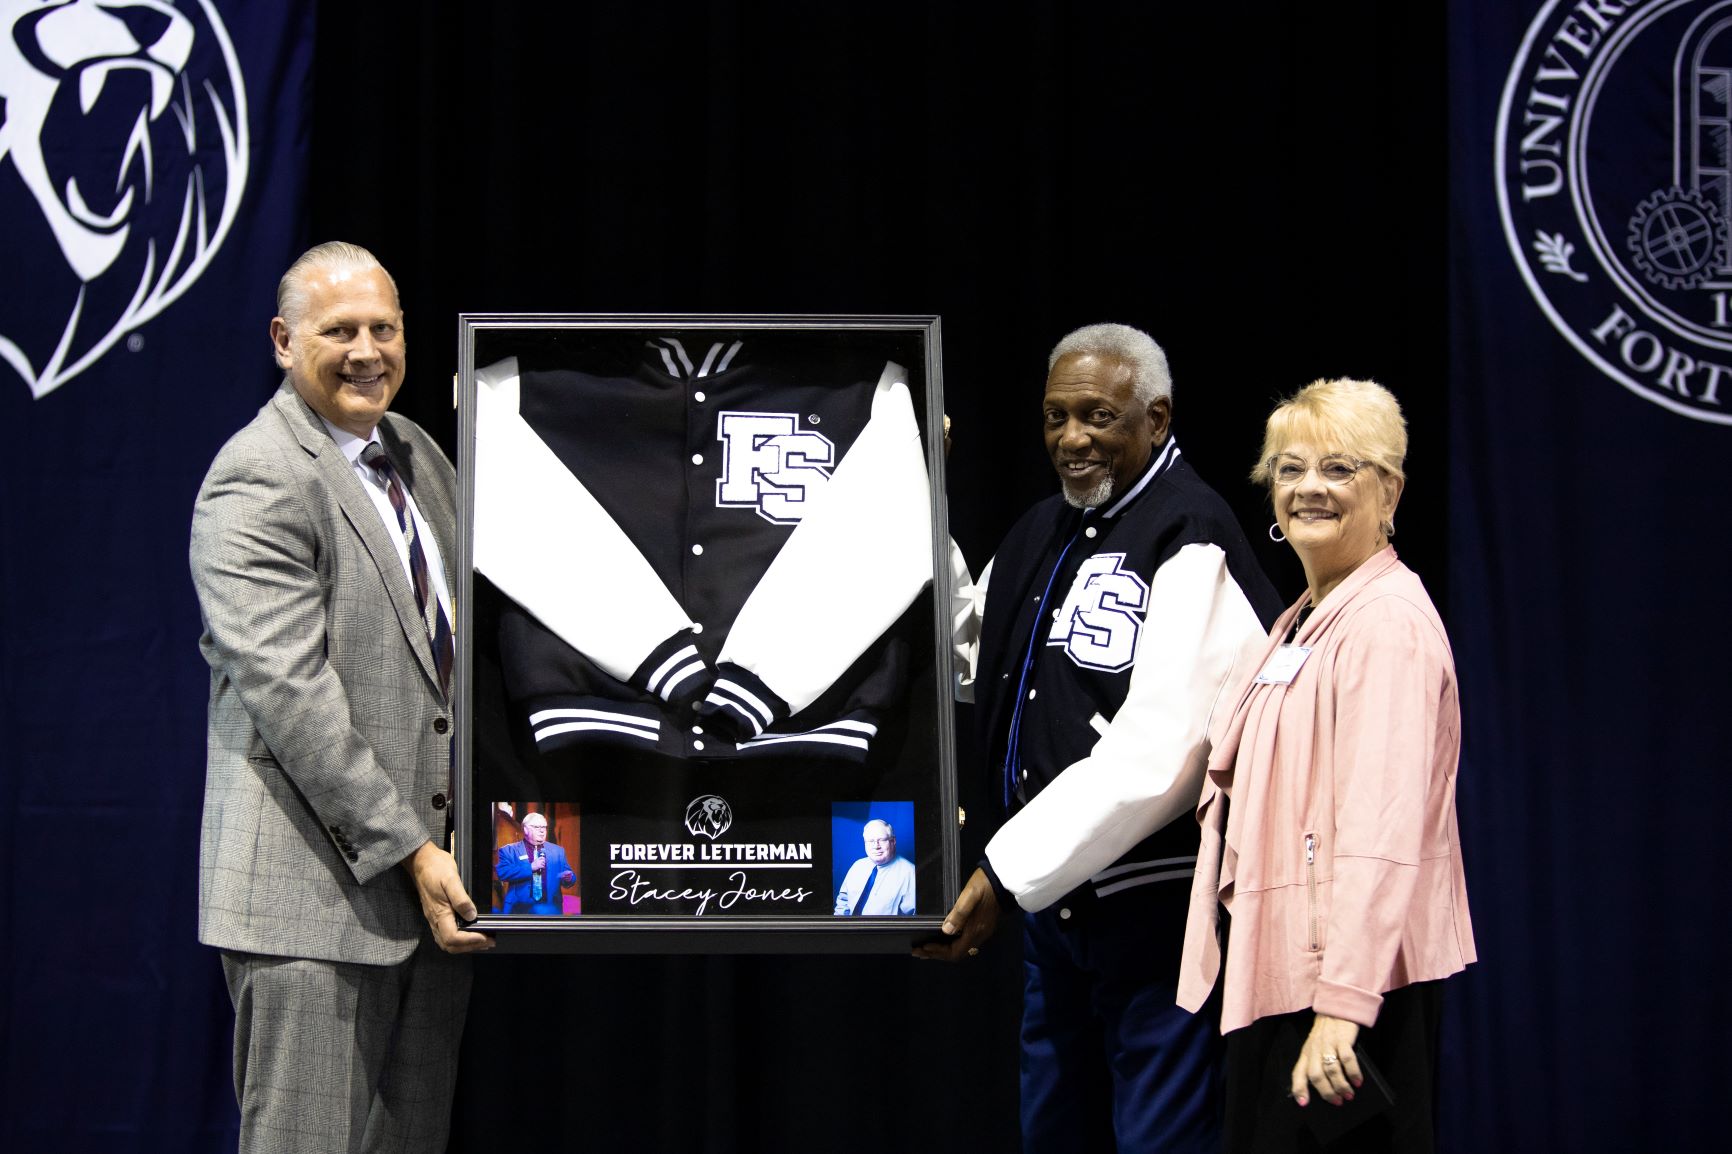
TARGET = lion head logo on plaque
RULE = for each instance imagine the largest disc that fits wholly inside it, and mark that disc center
(708, 816)
(123, 157)
(1614, 182)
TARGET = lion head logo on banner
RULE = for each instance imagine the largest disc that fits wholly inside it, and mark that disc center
(123, 156)
(708, 816)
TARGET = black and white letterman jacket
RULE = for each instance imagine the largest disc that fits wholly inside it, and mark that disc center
(1104, 639)
(704, 554)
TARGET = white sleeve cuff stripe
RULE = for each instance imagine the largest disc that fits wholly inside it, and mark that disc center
(680, 677)
(655, 678)
(543, 734)
(1145, 879)
(1132, 867)
(858, 726)
(816, 738)
(542, 715)
(722, 703)
(741, 693)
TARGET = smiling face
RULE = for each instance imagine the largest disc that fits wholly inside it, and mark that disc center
(1333, 526)
(344, 352)
(1097, 433)
(880, 842)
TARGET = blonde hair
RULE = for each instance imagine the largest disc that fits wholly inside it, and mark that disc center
(1361, 418)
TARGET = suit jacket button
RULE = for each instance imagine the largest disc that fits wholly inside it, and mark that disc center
(353, 856)
(438, 801)
(440, 725)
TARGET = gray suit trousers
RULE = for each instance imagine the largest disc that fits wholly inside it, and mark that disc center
(346, 1058)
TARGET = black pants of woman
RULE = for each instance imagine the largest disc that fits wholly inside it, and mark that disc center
(1262, 1119)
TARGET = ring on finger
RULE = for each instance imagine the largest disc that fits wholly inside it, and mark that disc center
(1329, 1059)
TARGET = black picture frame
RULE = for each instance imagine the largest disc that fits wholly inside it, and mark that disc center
(675, 427)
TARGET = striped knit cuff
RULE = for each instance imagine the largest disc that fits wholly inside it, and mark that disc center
(844, 739)
(558, 722)
(674, 670)
(739, 706)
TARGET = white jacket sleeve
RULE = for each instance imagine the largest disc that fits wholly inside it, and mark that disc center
(1199, 638)
(546, 542)
(967, 606)
(851, 566)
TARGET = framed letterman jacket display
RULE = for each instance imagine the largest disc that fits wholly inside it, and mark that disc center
(699, 630)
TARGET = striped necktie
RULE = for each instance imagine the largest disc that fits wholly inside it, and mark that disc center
(426, 600)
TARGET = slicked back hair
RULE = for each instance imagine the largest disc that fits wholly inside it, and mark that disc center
(333, 254)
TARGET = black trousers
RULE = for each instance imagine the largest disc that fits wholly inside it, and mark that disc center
(1262, 1119)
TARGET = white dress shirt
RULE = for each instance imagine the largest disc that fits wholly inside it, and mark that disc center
(352, 447)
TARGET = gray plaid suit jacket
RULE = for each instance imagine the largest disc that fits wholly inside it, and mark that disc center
(329, 737)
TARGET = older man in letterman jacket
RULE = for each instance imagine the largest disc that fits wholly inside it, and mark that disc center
(1114, 618)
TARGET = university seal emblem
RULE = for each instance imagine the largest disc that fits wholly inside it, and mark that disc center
(1614, 183)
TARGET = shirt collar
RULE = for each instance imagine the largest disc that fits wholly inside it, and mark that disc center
(348, 443)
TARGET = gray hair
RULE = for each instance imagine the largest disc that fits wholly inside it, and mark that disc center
(1149, 376)
(333, 254)
(888, 831)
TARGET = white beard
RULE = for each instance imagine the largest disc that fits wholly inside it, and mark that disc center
(1091, 498)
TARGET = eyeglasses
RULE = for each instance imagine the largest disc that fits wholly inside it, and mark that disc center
(1335, 470)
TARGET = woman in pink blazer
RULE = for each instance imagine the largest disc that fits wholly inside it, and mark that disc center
(1328, 812)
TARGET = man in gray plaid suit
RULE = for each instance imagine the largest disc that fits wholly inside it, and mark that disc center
(323, 877)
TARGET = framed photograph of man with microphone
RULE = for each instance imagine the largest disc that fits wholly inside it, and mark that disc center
(704, 626)
(534, 846)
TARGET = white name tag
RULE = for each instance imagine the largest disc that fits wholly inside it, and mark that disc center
(1283, 665)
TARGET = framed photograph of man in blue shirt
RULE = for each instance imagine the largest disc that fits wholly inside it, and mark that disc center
(874, 876)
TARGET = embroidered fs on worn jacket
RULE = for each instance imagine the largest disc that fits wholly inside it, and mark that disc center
(1106, 639)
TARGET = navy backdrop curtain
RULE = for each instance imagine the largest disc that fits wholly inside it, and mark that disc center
(138, 271)
(1260, 186)
(1588, 489)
